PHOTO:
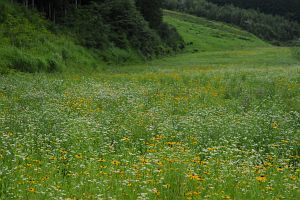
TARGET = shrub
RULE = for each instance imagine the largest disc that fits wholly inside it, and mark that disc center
(171, 37)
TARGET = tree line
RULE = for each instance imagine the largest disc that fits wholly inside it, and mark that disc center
(287, 8)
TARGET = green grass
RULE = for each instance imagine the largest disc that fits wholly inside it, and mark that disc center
(223, 123)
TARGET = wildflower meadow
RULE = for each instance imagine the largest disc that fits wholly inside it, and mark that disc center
(199, 133)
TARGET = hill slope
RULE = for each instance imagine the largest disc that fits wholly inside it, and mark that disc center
(205, 35)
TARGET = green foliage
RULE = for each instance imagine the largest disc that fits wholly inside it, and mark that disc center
(87, 24)
(267, 27)
(171, 37)
(151, 11)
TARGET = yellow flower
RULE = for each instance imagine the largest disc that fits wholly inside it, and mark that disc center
(158, 137)
(293, 178)
(78, 156)
(53, 158)
(268, 164)
(274, 125)
(226, 197)
(211, 149)
(172, 143)
(159, 163)
(63, 151)
(196, 193)
(31, 181)
(196, 177)
(101, 160)
(31, 190)
(125, 139)
(115, 162)
(63, 158)
(102, 173)
(280, 169)
(261, 178)
(144, 161)
(156, 192)
(151, 151)
(192, 193)
(45, 178)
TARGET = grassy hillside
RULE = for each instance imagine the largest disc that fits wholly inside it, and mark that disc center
(203, 35)
(215, 45)
(219, 123)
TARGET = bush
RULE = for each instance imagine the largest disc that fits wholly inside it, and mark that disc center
(171, 37)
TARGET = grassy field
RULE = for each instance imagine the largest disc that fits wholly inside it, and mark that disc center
(219, 121)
